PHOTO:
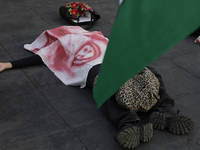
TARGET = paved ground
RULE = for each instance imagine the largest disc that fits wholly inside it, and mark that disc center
(38, 112)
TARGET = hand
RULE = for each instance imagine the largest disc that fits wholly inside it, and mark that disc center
(4, 66)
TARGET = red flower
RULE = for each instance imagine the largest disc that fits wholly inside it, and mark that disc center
(81, 7)
(80, 12)
(74, 5)
(74, 12)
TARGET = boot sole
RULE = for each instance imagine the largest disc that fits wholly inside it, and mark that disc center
(132, 136)
(176, 124)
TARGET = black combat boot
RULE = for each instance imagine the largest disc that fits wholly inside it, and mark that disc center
(130, 135)
(166, 118)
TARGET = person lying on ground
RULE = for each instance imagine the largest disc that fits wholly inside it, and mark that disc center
(75, 56)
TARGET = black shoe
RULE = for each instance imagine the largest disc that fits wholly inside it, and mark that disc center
(176, 123)
(130, 137)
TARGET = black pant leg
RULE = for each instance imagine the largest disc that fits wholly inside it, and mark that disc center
(117, 115)
(94, 71)
(112, 111)
(165, 99)
(26, 62)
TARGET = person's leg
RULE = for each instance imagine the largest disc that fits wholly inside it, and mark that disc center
(119, 116)
(26, 62)
(163, 116)
(165, 100)
(20, 63)
(115, 113)
(129, 132)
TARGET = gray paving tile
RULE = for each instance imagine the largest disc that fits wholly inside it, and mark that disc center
(79, 110)
(166, 140)
(39, 112)
(104, 27)
(99, 136)
(186, 46)
(176, 79)
(186, 61)
(107, 11)
(76, 109)
(4, 56)
(187, 103)
(41, 76)
(27, 121)
(25, 20)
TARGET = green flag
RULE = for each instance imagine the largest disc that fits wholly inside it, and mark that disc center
(143, 30)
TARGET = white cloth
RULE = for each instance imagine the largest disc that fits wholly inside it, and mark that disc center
(70, 52)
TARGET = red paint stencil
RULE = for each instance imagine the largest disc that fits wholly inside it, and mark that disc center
(87, 52)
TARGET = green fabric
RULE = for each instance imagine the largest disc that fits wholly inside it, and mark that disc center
(143, 30)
